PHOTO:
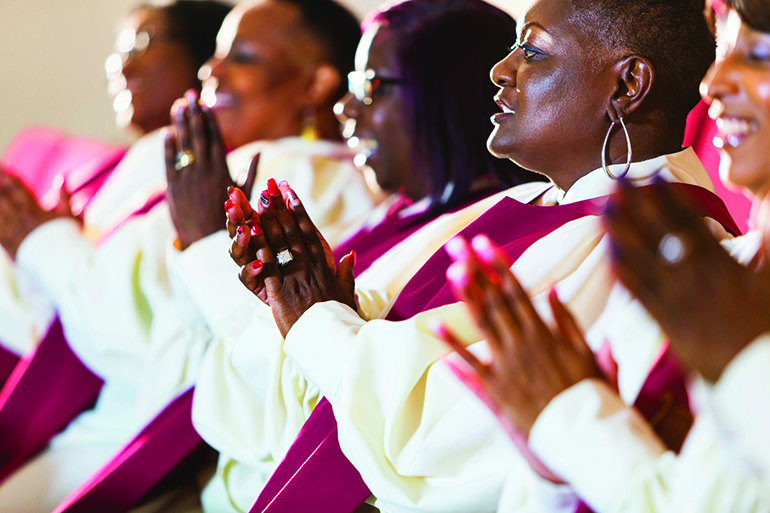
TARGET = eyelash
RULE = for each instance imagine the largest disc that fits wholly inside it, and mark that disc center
(528, 52)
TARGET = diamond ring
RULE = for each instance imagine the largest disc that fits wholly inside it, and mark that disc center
(184, 159)
(672, 249)
(284, 258)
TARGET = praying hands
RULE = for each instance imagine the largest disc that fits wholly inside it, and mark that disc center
(284, 260)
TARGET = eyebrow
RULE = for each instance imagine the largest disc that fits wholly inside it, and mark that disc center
(534, 24)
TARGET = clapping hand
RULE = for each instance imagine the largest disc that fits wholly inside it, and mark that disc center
(531, 362)
(284, 259)
(710, 306)
(20, 213)
(197, 172)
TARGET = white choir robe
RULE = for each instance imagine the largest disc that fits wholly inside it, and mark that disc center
(724, 465)
(251, 401)
(420, 439)
(129, 318)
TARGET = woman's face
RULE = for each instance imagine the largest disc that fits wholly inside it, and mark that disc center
(738, 87)
(553, 96)
(149, 71)
(375, 125)
(257, 80)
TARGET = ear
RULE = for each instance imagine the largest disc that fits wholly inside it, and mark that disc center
(635, 78)
(324, 84)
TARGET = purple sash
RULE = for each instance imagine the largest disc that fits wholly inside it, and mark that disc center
(48, 388)
(46, 391)
(8, 361)
(514, 227)
(161, 446)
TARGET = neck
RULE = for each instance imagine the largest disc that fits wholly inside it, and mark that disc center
(647, 142)
(328, 126)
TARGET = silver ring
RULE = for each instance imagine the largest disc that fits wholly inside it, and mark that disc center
(184, 159)
(672, 249)
(284, 258)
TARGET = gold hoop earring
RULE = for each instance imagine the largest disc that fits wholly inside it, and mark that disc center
(604, 152)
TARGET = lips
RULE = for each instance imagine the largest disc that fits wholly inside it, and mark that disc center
(733, 130)
(507, 110)
(216, 98)
(136, 85)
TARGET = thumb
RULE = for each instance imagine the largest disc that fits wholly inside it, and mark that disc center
(64, 207)
(251, 177)
(345, 275)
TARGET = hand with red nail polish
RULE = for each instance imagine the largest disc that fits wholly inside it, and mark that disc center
(199, 180)
(308, 273)
(20, 213)
(532, 362)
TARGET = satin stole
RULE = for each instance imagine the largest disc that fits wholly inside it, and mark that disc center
(309, 475)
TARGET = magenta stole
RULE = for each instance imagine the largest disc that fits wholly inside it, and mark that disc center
(49, 386)
(316, 476)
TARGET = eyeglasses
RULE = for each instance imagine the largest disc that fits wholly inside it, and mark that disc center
(131, 45)
(363, 84)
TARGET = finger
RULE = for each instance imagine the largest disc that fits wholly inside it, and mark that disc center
(641, 213)
(217, 146)
(251, 177)
(170, 149)
(239, 198)
(607, 364)
(642, 275)
(274, 231)
(522, 312)
(251, 278)
(567, 325)
(64, 207)
(181, 121)
(311, 237)
(345, 273)
(286, 219)
(235, 217)
(240, 249)
(440, 331)
(271, 271)
(198, 136)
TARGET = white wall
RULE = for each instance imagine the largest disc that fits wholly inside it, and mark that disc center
(51, 64)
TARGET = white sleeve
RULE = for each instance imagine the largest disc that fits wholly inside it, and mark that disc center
(98, 291)
(420, 439)
(594, 441)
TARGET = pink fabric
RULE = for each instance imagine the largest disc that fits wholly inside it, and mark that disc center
(37, 155)
(47, 389)
(700, 133)
(165, 443)
(8, 361)
(308, 477)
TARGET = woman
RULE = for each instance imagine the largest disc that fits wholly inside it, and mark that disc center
(257, 420)
(419, 439)
(159, 51)
(666, 257)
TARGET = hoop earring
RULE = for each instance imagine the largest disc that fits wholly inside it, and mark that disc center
(604, 152)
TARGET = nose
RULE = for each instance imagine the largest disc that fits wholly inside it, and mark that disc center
(503, 73)
(722, 80)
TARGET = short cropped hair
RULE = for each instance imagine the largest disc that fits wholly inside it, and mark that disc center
(673, 34)
(445, 49)
(754, 13)
(195, 23)
(336, 30)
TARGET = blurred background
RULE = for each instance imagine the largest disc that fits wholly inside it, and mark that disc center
(52, 56)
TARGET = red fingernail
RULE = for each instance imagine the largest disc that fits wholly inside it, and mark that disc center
(553, 294)
(283, 183)
(230, 190)
(265, 198)
(256, 265)
(353, 258)
(293, 196)
(484, 248)
(229, 204)
(256, 230)
(457, 249)
(272, 187)
(239, 230)
(456, 275)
